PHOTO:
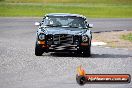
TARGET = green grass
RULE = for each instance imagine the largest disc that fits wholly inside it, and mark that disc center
(127, 37)
(72, 1)
(89, 10)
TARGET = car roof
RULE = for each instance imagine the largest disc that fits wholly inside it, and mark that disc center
(65, 14)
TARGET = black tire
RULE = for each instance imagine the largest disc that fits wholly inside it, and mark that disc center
(78, 53)
(38, 50)
(87, 52)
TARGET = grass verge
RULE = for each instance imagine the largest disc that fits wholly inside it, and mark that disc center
(127, 37)
(114, 39)
(71, 1)
(89, 10)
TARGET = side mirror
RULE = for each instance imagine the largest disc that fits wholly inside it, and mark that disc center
(90, 25)
(37, 24)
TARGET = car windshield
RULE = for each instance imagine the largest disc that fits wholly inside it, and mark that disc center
(65, 21)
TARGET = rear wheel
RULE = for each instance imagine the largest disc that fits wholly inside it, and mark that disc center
(38, 50)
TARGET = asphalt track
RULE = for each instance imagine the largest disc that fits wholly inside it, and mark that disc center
(20, 68)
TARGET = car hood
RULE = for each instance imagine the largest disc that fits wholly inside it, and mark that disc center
(75, 31)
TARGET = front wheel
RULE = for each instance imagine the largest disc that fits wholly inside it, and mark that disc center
(38, 50)
(84, 51)
(87, 52)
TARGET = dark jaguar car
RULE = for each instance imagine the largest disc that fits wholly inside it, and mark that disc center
(59, 32)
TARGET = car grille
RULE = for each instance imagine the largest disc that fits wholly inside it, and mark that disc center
(63, 39)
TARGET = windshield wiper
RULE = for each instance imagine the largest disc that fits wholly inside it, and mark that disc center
(71, 26)
(76, 27)
(53, 25)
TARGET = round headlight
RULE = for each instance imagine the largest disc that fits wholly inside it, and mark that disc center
(41, 36)
(84, 38)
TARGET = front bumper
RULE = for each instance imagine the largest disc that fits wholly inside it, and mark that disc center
(64, 47)
(64, 42)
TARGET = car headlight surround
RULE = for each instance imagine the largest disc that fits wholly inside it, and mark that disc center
(84, 38)
(41, 36)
